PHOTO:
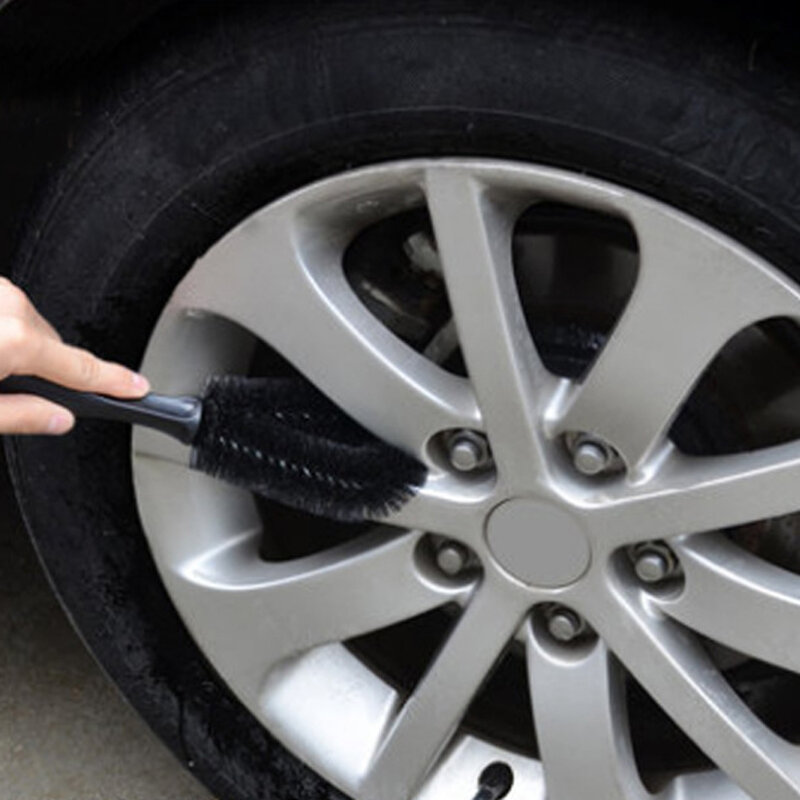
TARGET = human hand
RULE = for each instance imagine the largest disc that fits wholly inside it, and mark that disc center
(30, 346)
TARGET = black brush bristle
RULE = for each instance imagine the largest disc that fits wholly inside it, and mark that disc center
(284, 440)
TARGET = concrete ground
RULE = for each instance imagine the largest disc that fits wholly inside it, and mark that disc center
(65, 732)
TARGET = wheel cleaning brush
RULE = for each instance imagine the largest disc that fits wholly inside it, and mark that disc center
(278, 437)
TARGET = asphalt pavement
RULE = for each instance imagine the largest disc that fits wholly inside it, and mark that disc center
(65, 731)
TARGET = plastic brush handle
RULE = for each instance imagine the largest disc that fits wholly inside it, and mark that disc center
(178, 417)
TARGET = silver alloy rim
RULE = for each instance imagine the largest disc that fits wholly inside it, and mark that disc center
(543, 532)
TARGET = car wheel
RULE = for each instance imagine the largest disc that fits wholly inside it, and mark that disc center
(534, 247)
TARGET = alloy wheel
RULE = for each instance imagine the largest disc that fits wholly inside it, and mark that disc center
(582, 535)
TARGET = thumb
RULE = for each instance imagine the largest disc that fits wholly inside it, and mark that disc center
(21, 413)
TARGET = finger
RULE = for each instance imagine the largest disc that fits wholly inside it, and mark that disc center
(21, 413)
(79, 369)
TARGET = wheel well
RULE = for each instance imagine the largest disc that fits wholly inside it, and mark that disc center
(49, 42)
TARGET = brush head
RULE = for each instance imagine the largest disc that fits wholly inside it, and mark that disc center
(284, 440)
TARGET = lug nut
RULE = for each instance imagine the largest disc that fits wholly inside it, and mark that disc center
(591, 457)
(564, 625)
(468, 451)
(451, 558)
(654, 563)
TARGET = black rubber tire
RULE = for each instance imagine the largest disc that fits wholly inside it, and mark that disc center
(212, 114)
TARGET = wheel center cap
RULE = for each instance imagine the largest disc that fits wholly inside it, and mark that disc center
(538, 543)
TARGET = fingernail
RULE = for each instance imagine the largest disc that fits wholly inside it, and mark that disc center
(140, 382)
(59, 423)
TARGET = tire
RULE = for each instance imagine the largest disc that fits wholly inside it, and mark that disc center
(211, 116)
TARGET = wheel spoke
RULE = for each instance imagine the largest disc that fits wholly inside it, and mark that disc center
(286, 284)
(738, 600)
(677, 672)
(708, 784)
(213, 514)
(473, 232)
(435, 509)
(203, 345)
(250, 616)
(585, 695)
(694, 495)
(694, 291)
(428, 719)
